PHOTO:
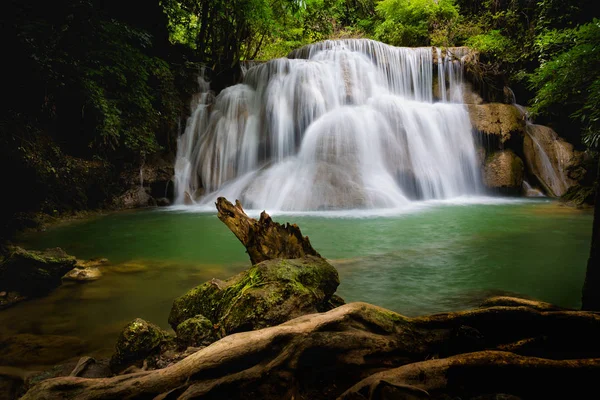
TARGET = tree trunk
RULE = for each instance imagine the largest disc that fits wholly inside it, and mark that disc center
(590, 299)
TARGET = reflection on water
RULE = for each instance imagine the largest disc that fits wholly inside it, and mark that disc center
(443, 257)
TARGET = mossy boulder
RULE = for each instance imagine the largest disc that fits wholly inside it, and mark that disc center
(269, 293)
(34, 273)
(503, 172)
(138, 340)
(196, 331)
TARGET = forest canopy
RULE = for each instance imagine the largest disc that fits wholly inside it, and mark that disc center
(93, 83)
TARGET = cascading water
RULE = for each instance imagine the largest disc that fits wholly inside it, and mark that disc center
(339, 124)
(551, 156)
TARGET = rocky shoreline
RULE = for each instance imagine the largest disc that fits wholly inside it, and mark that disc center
(278, 330)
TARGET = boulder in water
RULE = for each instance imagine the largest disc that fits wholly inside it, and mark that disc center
(267, 294)
(34, 273)
(79, 274)
(503, 172)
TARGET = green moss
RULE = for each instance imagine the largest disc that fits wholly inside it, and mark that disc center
(579, 195)
(33, 272)
(195, 331)
(267, 294)
(138, 340)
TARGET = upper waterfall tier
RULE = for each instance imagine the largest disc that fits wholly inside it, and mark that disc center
(338, 124)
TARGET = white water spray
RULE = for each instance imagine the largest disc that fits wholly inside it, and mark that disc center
(336, 125)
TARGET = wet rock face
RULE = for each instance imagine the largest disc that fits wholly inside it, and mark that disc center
(138, 340)
(151, 185)
(503, 172)
(271, 292)
(553, 161)
(34, 273)
(496, 122)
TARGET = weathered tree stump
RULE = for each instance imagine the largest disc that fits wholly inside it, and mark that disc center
(264, 239)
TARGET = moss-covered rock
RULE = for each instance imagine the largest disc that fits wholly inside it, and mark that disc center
(34, 273)
(138, 340)
(503, 172)
(579, 196)
(269, 293)
(196, 331)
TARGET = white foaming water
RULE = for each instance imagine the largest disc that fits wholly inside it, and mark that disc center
(348, 124)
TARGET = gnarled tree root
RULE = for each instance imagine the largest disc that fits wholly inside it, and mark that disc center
(483, 373)
(319, 356)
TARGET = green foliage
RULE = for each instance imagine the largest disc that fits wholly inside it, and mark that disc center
(104, 90)
(568, 79)
(416, 22)
(491, 43)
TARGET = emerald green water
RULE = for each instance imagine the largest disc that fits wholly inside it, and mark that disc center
(436, 258)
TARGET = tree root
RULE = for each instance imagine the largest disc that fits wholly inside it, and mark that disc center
(320, 356)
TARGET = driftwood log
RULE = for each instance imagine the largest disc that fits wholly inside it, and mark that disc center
(326, 355)
(264, 239)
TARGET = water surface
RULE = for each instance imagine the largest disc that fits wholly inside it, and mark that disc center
(435, 257)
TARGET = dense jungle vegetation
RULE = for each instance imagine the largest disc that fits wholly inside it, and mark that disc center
(98, 86)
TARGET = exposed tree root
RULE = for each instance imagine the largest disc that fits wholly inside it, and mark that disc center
(320, 356)
(483, 373)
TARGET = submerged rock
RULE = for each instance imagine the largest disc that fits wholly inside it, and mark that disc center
(138, 340)
(83, 274)
(28, 349)
(503, 172)
(34, 273)
(269, 293)
(86, 270)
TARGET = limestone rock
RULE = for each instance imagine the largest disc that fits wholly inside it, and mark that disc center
(138, 340)
(136, 197)
(267, 294)
(503, 171)
(34, 273)
(553, 161)
(497, 122)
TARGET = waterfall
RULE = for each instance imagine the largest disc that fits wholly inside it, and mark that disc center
(552, 157)
(338, 124)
